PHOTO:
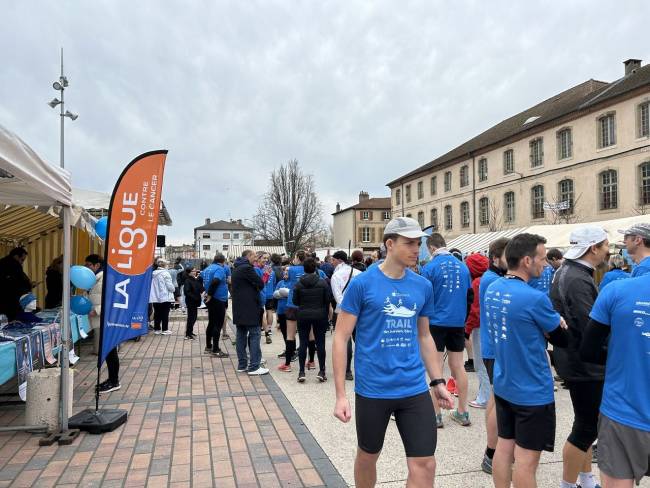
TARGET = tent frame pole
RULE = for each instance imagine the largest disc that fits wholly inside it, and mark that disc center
(65, 320)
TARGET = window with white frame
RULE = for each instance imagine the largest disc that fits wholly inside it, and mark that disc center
(508, 162)
(565, 194)
(448, 217)
(537, 201)
(606, 131)
(509, 206)
(536, 152)
(608, 190)
(464, 214)
(564, 144)
(644, 170)
(447, 180)
(398, 196)
(407, 193)
(225, 247)
(644, 119)
(365, 215)
(365, 234)
(420, 190)
(386, 215)
(434, 219)
(235, 235)
(464, 176)
(482, 169)
(206, 235)
(206, 247)
(421, 218)
(226, 235)
(484, 211)
(434, 185)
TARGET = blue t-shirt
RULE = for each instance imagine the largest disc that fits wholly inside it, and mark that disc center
(451, 281)
(387, 358)
(219, 272)
(294, 274)
(625, 307)
(611, 276)
(487, 343)
(519, 316)
(282, 302)
(642, 268)
(543, 283)
(269, 287)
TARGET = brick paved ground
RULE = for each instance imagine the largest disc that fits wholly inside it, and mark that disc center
(193, 422)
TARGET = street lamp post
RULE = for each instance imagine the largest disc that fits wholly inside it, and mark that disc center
(60, 86)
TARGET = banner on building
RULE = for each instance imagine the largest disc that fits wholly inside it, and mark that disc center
(129, 246)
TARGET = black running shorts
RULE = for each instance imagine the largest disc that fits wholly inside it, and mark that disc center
(270, 304)
(414, 416)
(532, 428)
(291, 313)
(450, 338)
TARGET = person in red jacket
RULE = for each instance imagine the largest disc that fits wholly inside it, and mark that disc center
(477, 264)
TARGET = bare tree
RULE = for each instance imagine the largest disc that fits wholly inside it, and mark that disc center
(495, 217)
(290, 211)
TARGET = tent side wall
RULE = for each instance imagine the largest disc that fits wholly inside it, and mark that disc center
(44, 248)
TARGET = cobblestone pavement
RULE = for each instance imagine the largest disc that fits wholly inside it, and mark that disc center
(193, 422)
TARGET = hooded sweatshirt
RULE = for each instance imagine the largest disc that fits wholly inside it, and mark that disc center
(312, 297)
(162, 287)
(477, 264)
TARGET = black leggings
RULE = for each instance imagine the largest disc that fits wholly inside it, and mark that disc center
(161, 315)
(304, 327)
(113, 365)
(585, 397)
(216, 314)
(192, 312)
(282, 321)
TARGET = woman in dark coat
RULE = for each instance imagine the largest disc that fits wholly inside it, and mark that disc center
(192, 288)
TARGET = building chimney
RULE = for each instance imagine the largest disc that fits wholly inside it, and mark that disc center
(338, 207)
(207, 221)
(631, 65)
(239, 221)
(363, 195)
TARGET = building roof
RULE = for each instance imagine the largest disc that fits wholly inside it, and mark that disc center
(223, 225)
(369, 204)
(584, 97)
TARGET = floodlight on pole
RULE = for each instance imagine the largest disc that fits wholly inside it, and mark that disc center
(70, 115)
(54, 102)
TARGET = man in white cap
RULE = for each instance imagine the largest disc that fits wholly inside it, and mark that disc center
(637, 243)
(390, 307)
(573, 293)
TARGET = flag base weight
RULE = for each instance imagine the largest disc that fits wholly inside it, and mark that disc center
(98, 421)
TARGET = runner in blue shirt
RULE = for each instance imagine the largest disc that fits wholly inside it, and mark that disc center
(390, 307)
(637, 244)
(453, 295)
(215, 284)
(294, 272)
(619, 334)
(498, 268)
(521, 320)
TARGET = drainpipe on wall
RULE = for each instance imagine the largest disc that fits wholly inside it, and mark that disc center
(473, 192)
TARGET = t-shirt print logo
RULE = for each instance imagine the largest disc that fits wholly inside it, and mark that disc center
(398, 311)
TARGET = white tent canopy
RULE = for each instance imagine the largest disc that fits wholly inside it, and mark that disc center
(556, 235)
(25, 179)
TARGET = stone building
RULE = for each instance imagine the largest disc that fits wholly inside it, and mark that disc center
(583, 155)
(362, 225)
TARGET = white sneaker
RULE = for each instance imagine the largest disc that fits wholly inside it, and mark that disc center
(157, 332)
(258, 372)
(166, 332)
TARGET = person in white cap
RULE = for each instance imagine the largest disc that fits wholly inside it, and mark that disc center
(637, 243)
(390, 307)
(573, 293)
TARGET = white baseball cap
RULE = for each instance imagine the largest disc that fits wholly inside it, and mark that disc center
(405, 227)
(582, 239)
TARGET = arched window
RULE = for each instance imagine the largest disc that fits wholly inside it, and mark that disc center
(448, 218)
(644, 171)
(537, 201)
(398, 196)
(509, 206)
(434, 219)
(483, 211)
(608, 189)
(565, 194)
(464, 176)
(464, 214)
(421, 219)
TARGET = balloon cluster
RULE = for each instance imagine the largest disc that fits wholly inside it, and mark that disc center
(84, 279)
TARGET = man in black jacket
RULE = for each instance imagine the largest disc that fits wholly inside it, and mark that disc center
(573, 293)
(312, 295)
(14, 283)
(246, 304)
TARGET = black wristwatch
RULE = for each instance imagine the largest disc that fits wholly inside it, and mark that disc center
(438, 381)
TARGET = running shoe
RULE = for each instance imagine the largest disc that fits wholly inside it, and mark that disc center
(282, 354)
(349, 376)
(469, 366)
(207, 350)
(167, 332)
(284, 367)
(294, 358)
(321, 376)
(258, 372)
(486, 465)
(301, 377)
(108, 386)
(439, 423)
(311, 365)
(461, 418)
(242, 370)
(475, 404)
(220, 354)
(188, 338)
(157, 332)
(451, 386)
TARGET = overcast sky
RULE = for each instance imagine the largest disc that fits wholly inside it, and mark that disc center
(358, 92)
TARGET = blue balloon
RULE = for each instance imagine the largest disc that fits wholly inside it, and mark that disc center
(100, 227)
(80, 305)
(82, 277)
